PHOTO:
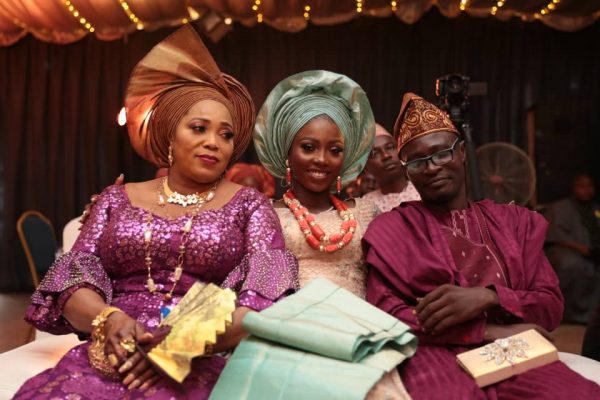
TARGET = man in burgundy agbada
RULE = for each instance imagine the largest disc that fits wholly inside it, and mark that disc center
(462, 273)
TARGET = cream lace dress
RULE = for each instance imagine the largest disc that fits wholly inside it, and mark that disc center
(344, 267)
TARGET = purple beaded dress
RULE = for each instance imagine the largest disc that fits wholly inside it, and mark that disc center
(239, 246)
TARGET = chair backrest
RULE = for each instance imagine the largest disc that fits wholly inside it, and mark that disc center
(70, 234)
(39, 243)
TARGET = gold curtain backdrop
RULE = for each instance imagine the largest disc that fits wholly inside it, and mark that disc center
(66, 21)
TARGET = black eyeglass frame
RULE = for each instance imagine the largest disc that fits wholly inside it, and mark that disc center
(433, 158)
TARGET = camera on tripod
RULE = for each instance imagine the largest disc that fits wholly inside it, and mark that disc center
(452, 92)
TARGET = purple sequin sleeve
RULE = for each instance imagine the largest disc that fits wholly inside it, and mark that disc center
(78, 268)
(268, 271)
(70, 272)
(264, 277)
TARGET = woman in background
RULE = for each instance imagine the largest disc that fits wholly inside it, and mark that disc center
(252, 175)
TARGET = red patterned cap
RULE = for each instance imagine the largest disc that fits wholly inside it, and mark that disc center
(419, 117)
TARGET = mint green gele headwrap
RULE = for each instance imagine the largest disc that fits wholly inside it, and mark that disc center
(301, 97)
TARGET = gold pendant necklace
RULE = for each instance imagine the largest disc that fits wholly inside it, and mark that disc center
(202, 199)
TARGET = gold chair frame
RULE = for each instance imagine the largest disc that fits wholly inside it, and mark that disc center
(31, 213)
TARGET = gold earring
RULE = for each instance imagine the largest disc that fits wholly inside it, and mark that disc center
(288, 174)
(170, 157)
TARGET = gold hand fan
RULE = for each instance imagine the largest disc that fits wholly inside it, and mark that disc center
(203, 313)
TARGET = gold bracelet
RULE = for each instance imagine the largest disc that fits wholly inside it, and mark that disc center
(96, 355)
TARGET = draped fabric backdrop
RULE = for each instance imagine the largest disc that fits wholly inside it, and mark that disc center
(66, 21)
(58, 103)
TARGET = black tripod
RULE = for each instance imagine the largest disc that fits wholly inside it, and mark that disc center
(453, 97)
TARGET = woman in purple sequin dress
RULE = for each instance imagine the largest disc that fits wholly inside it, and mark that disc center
(234, 240)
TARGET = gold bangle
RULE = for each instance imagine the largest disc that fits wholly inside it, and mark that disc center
(103, 316)
(96, 355)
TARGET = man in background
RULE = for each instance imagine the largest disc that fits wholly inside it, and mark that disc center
(385, 166)
(574, 252)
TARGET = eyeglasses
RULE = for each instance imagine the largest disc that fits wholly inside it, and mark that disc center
(439, 158)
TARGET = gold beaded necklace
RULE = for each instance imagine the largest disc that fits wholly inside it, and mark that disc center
(185, 200)
(200, 200)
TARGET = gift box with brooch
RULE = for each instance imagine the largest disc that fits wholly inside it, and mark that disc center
(506, 357)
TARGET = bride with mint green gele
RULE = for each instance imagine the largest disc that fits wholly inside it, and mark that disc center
(316, 130)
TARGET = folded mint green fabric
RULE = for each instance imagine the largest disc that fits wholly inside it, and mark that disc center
(321, 343)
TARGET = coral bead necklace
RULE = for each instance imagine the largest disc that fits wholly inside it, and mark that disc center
(313, 233)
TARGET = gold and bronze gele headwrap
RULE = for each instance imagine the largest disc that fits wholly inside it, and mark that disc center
(177, 73)
(419, 117)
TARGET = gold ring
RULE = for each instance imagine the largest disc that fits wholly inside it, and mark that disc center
(113, 360)
(128, 345)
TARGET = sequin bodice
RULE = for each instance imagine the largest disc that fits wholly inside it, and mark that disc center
(344, 267)
(217, 242)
